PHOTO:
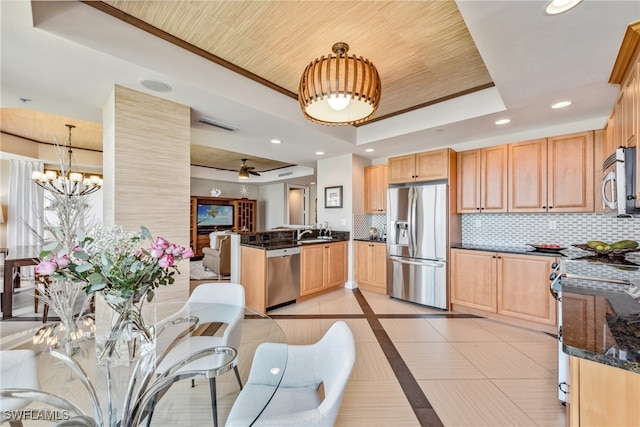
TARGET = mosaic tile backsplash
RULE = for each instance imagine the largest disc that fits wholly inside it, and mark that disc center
(363, 222)
(562, 229)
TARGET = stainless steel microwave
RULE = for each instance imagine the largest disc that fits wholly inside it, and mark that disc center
(619, 182)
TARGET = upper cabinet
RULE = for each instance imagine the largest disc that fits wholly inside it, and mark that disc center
(375, 188)
(552, 175)
(427, 166)
(482, 180)
(624, 118)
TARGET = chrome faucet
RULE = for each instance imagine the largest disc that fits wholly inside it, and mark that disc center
(303, 232)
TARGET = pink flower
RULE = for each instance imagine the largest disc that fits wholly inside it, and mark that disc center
(46, 268)
(166, 261)
(62, 261)
(187, 253)
(175, 250)
(159, 247)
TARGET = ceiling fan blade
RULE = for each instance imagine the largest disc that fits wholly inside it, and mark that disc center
(253, 173)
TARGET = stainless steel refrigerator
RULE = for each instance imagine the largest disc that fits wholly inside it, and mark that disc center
(417, 242)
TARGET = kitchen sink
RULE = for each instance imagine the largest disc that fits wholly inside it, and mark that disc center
(313, 240)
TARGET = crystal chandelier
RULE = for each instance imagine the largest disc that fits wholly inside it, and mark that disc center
(67, 183)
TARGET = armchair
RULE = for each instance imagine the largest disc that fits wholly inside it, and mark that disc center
(217, 258)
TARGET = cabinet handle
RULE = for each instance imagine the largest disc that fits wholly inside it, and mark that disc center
(544, 207)
(494, 257)
(499, 257)
(478, 209)
(550, 207)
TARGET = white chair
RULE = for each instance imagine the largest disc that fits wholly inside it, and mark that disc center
(231, 294)
(296, 402)
(18, 370)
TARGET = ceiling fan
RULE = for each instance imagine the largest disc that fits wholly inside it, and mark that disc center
(245, 170)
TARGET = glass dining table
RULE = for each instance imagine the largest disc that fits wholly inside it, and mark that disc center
(122, 395)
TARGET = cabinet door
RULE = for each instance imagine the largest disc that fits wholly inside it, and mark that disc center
(311, 269)
(523, 288)
(375, 188)
(402, 169)
(362, 261)
(493, 179)
(570, 173)
(432, 165)
(378, 276)
(473, 279)
(629, 110)
(335, 264)
(528, 176)
(469, 181)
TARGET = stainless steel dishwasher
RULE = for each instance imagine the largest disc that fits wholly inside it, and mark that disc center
(283, 276)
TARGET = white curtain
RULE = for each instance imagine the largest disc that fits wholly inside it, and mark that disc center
(26, 204)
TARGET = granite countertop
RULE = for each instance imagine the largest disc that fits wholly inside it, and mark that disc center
(526, 250)
(367, 239)
(266, 245)
(601, 326)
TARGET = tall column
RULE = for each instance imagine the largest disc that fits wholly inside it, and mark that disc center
(146, 167)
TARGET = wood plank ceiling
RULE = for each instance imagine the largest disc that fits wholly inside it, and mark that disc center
(422, 49)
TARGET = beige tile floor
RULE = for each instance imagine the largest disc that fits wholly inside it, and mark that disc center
(474, 372)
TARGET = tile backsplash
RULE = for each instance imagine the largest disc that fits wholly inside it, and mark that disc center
(563, 229)
(363, 222)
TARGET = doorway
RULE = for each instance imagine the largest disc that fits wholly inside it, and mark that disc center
(298, 198)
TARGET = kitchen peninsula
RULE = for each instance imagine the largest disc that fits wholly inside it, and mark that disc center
(279, 267)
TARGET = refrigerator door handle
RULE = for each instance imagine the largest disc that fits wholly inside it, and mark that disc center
(412, 221)
(401, 260)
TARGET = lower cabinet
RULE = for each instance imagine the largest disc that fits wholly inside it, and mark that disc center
(602, 395)
(371, 265)
(322, 266)
(510, 285)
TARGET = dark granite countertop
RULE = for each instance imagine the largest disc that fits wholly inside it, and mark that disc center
(521, 250)
(291, 244)
(601, 326)
(370, 240)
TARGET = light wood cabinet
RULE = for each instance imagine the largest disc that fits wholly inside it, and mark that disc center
(371, 265)
(426, 166)
(552, 175)
(511, 286)
(602, 395)
(253, 276)
(626, 73)
(482, 180)
(474, 280)
(523, 288)
(375, 188)
(322, 267)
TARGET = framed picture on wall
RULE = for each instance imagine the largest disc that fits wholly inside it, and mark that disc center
(333, 197)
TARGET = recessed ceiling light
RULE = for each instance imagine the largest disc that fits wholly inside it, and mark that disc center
(156, 85)
(319, 153)
(503, 121)
(369, 150)
(555, 7)
(561, 104)
(275, 141)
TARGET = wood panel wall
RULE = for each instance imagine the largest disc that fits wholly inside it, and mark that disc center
(146, 168)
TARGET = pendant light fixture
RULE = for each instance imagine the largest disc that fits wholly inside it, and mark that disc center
(67, 183)
(339, 89)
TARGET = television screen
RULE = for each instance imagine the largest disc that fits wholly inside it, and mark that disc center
(211, 216)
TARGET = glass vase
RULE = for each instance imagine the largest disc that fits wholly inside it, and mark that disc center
(124, 327)
(68, 300)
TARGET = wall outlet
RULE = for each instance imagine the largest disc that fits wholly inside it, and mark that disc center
(478, 223)
(552, 225)
(343, 221)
